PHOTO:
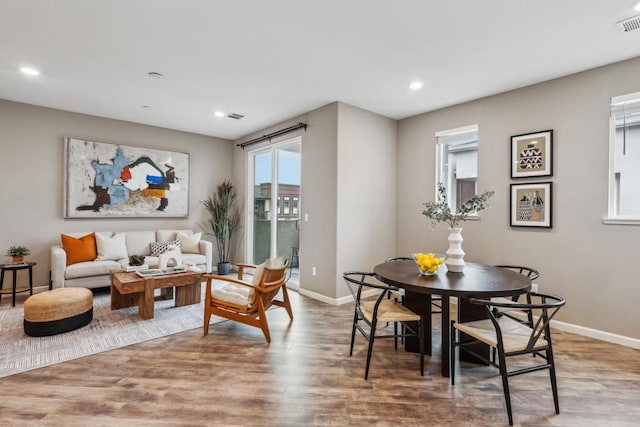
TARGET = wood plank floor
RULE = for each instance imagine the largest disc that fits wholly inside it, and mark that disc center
(305, 377)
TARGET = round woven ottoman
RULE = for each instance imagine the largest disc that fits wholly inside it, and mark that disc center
(57, 311)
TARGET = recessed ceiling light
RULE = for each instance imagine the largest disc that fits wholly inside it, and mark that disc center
(155, 75)
(416, 85)
(30, 71)
(219, 114)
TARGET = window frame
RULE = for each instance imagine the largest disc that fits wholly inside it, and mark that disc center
(612, 216)
(441, 157)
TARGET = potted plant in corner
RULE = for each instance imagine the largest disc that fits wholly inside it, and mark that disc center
(18, 253)
(224, 221)
(440, 211)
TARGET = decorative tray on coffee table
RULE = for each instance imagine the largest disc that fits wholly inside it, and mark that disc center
(152, 272)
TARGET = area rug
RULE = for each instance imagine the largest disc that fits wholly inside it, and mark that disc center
(108, 330)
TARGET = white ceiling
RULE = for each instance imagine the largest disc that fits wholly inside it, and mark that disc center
(272, 60)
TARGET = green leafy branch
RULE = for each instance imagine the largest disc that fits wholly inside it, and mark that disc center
(440, 211)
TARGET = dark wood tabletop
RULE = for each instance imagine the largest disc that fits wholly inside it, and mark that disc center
(477, 280)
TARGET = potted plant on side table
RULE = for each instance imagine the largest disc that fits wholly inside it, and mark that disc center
(18, 253)
(224, 221)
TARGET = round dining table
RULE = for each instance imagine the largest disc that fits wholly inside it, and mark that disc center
(477, 281)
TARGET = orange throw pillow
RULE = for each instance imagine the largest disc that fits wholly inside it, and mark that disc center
(79, 250)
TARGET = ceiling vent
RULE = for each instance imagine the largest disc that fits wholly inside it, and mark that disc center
(629, 24)
(235, 116)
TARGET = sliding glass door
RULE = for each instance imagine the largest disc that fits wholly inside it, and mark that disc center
(274, 214)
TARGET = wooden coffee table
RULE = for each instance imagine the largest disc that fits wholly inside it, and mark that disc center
(129, 289)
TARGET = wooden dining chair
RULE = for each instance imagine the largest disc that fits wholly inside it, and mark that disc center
(247, 302)
(381, 309)
(511, 338)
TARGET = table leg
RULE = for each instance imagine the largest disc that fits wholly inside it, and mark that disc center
(13, 294)
(30, 280)
(165, 294)
(145, 300)
(445, 342)
(188, 294)
(420, 304)
(119, 300)
(1, 281)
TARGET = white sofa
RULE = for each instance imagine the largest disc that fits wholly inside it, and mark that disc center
(95, 274)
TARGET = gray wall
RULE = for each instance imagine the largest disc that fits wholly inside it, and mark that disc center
(592, 264)
(33, 169)
(366, 191)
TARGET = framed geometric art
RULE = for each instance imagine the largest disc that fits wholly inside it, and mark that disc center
(105, 180)
(532, 154)
(531, 205)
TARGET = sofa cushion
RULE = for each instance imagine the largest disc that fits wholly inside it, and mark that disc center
(138, 242)
(164, 235)
(196, 259)
(190, 244)
(90, 268)
(111, 247)
(158, 248)
(79, 250)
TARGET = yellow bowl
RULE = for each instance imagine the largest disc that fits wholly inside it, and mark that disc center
(428, 263)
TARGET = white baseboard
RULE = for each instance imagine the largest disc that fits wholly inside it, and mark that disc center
(318, 297)
(562, 326)
(597, 334)
(333, 301)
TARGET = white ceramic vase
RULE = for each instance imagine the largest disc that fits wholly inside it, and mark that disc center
(455, 254)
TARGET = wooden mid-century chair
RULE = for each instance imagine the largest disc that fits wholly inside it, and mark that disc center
(247, 302)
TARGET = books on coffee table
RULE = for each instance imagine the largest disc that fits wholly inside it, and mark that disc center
(151, 272)
(131, 268)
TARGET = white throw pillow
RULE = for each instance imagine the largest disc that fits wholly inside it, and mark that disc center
(271, 262)
(258, 272)
(111, 247)
(158, 248)
(189, 244)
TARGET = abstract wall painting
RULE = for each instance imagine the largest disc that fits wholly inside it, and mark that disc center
(531, 205)
(532, 154)
(104, 180)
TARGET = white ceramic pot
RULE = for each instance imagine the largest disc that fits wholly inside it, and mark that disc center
(455, 254)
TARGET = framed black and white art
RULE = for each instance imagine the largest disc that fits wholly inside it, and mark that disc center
(531, 205)
(532, 154)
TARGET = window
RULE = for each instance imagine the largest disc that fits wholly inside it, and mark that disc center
(287, 204)
(624, 160)
(457, 163)
(295, 205)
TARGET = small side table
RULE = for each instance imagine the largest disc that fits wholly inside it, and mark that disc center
(13, 268)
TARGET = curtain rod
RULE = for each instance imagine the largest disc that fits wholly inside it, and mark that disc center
(273, 134)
